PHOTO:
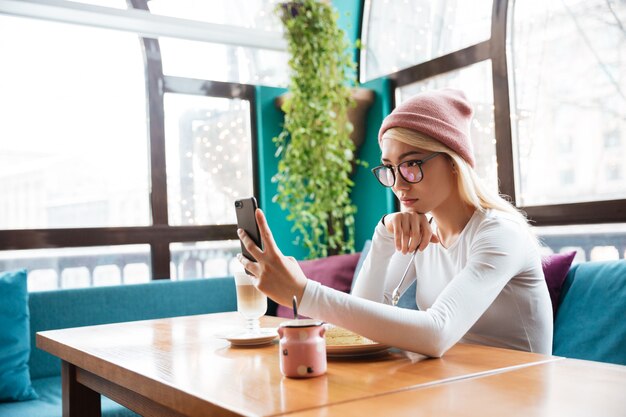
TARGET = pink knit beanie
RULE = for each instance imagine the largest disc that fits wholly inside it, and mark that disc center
(443, 115)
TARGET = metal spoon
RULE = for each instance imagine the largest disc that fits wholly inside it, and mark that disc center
(295, 307)
(395, 295)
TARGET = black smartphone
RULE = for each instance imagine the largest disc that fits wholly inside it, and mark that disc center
(246, 220)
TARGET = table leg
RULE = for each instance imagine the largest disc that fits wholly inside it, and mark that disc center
(78, 400)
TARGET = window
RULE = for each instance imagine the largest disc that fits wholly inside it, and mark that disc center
(566, 145)
(400, 34)
(209, 158)
(567, 177)
(257, 14)
(74, 149)
(116, 4)
(108, 162)
(614, 172)
(204, 259)
(221, 62)
(556, 45)
(612, 139)
(49, 269)
(591, 242)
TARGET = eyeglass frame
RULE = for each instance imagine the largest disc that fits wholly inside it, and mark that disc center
(395, 168)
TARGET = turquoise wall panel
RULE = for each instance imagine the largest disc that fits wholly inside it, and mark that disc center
(269, 124)
(371, 199)
(349, 21)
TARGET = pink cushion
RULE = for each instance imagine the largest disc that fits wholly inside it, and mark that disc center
(333, 271)
(555, 269)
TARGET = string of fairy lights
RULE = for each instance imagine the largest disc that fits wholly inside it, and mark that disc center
(220, 168)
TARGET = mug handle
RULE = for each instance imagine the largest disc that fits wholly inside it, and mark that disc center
(322, 331)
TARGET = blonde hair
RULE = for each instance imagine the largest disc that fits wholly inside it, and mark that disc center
(471, 188)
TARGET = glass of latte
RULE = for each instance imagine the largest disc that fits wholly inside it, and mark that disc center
(251, 302)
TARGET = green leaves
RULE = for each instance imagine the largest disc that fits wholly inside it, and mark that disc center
(315, 147)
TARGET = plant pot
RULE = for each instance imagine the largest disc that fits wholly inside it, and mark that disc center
(364, 97)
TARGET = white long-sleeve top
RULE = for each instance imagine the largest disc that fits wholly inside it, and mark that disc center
(486, 288)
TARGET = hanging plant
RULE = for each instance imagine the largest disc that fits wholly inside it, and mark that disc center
(315, 148)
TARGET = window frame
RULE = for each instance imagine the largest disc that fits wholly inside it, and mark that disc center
(159, 234)
(494, 49)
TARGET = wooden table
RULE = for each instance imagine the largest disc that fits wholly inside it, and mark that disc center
(178, 367)
(560, 388)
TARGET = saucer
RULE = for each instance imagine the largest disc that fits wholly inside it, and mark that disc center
(245, 338)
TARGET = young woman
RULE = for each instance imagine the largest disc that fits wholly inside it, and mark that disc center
(477, 266)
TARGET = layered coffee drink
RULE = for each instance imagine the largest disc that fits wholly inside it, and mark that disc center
(251, 302)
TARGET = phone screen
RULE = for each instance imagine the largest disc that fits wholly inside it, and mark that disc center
(245, 209)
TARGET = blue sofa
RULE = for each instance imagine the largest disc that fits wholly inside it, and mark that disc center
(589, 324)
(100, 305)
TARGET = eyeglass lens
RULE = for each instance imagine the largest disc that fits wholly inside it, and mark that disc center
(408, 170)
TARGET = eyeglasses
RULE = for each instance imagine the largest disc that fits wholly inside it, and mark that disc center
(410, 171)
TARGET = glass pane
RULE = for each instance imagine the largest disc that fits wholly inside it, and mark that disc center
(208, 61)
(475, 81)
(209, 158)
(116, 4)
(257, 14)
(600, 242)
(73, 133)
(51, 269)
(569, 106)
(401, 34)
(204, 259)
(223, 62)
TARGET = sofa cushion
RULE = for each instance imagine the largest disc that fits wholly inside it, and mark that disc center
(334, 271)
(49, 403)
(590, 321)
(555, 269)
(14, 338)
(101, 305)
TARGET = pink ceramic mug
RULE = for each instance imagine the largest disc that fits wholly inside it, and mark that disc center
(302, 348)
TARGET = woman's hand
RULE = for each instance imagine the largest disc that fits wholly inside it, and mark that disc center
(411, 231)
(279, 277)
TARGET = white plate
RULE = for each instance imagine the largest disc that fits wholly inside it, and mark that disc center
(366, 347)
(355, 350)
(243, 338)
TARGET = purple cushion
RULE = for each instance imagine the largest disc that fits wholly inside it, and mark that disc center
(333, 271)
(555, 269)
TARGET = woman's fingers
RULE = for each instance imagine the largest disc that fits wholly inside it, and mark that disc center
(411, 231)
(426, 234)
(405, 233)
(267, 238)
(416, 232)
(249, 244)
(396, 226)
(250, 266)
(266, 233)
